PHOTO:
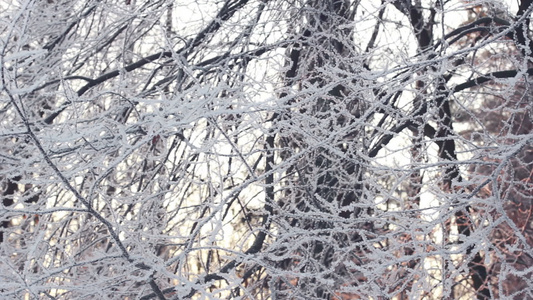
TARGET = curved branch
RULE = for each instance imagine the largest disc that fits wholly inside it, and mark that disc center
(486, 78)
(473, 26)
(522, 31)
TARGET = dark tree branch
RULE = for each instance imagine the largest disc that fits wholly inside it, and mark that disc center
(372, 41)
(486, 78)
(423, 30)
(525, 45)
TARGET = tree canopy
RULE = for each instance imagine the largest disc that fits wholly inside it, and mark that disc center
(266, 149)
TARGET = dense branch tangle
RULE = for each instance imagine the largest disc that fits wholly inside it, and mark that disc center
(324, 187)
(265, 149)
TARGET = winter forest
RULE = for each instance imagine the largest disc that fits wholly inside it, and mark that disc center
(266, 149)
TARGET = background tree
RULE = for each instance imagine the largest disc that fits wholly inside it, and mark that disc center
(281, 149)
(499, 114)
